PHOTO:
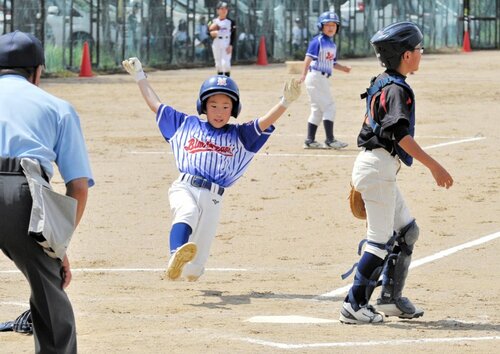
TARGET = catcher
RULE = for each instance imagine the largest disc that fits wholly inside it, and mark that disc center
(386, 139)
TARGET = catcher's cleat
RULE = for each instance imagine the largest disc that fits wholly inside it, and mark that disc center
(178, 260)
(335, 144)
(402, 308)
(312, 144)
(365, 314)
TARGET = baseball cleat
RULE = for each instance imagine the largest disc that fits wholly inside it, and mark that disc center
(335, 144)
(402, 308)
(365, 314)
(308, 144)
(178, 260)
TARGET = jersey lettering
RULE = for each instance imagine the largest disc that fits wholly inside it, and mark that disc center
(194, 146)
(219, 155)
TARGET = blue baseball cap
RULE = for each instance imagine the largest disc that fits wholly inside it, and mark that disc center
(20, 50)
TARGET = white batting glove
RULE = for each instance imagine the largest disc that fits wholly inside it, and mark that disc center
(291, 91)
(134, 68)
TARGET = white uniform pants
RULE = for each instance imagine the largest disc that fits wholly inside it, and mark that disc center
(318, 88)
(200, 209)
(221, 57)
(374, 176)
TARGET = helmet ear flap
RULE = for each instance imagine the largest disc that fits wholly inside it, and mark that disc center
(199, 106)
(236, 109)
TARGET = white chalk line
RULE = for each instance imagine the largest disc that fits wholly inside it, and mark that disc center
(15, 303)
(422, 261)
(468, 140)
(129, 270)
(264, 154)
(391, 342)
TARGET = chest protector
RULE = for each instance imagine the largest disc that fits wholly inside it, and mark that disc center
(374, 91)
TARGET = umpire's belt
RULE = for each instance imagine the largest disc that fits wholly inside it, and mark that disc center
(321, 72)
(201, 182)
(12, 166)
(226, 37)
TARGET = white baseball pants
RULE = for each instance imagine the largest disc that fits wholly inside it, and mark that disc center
(318, 88)
(221, 56)
(200, 209)
(374, 176)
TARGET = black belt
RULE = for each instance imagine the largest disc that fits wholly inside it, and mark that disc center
(201, 182)
(322, 73)
(12, 166)
(223, 37)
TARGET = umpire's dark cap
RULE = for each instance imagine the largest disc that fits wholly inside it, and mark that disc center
(20, 50)
(222, 4)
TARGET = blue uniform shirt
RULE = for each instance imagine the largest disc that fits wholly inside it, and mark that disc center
(35, 124)
(323, 50)
(218, 155)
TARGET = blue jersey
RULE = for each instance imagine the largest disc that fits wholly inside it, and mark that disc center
(35, 124)
(323, 50)
(219, 155)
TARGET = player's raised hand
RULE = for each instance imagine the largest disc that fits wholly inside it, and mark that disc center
(134, 68)
(291, 91)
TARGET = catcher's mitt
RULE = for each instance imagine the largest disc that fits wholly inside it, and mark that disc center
(357, 204)
(23, 323)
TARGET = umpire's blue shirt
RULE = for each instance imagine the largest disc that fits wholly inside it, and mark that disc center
(36, 124)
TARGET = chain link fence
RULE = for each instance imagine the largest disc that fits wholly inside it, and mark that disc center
(173, 33)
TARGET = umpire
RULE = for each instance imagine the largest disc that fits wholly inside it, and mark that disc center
(38, 126)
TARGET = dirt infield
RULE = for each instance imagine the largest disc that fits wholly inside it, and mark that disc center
(286, 233)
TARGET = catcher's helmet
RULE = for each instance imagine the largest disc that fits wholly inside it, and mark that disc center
(219, 84)
(392, 41)
(326, 17)
(20, 50)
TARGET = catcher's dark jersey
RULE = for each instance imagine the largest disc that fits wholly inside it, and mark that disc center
(392, 110)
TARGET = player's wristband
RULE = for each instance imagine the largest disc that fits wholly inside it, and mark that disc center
(140, 75)
(284, 102)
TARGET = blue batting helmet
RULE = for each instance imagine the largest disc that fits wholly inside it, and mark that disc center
(326, 17)
(392, 41)
(219, 84)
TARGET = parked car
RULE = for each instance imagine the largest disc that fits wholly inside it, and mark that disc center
(65, 24)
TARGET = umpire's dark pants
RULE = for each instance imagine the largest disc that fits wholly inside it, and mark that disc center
(51, 311)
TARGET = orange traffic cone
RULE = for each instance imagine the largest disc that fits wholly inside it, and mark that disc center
(262, 56)
(85, 67)
(466, 47)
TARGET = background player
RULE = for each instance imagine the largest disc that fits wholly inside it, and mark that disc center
(223, 31)
(387, 138)
(320, 60)
(211, 156)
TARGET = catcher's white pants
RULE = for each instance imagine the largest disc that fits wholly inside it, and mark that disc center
(374, 176)
(318, 88)
(200, 209)
(221, 56)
